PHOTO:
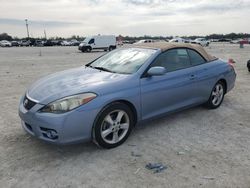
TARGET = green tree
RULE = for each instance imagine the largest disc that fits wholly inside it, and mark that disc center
(5, 36)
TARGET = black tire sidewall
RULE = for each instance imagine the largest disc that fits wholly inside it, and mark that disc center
(96, 132)
(110, 48)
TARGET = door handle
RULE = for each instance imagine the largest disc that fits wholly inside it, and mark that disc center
(192, 77)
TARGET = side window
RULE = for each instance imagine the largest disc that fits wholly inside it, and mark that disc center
(195, 58)
(172, 60)
(92, 41)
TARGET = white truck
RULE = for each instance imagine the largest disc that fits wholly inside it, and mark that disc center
(5, 43)
(144, 41)
(179, 40)
(201, 41)
(105, 42)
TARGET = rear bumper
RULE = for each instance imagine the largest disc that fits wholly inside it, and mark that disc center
(71, 127)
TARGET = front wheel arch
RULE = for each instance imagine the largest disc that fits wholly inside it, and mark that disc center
(129, 104)
(132, 108)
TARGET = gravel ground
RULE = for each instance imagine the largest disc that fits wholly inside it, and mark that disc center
(200, 147)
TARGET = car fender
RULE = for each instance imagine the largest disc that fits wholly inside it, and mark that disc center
(134, 100)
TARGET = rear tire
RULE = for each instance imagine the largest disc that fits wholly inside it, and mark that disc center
(112, 48)
(113, 125)
(216, 96)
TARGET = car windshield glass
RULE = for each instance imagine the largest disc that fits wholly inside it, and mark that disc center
(124, 61)
(86, 40)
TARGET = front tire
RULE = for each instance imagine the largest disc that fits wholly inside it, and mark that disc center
(113, 125)
(217, 95)
(88, 49)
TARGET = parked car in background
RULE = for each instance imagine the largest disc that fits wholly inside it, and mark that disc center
(128, 41)
(56, 42)
(74, 42)
(38, 43)
(65, 43)
(144, 41)
(214, 40)
(103, 100)
(201, 41)
(179, 40)
(15, 43)
(48, 43)
(25, 43)
(5, 43)
(105, 42)
(224, 40)
(237, 41)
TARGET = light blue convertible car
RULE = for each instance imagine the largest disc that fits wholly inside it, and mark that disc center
(105, 99)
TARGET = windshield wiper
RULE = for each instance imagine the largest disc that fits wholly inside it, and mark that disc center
(101, 68)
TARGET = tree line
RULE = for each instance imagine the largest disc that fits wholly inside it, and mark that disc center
(230, 36)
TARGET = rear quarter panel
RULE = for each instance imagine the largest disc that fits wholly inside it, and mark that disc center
(210, 73)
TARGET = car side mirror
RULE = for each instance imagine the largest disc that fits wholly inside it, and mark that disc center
(156, 71)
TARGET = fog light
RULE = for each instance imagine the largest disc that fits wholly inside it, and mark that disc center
(51, 134)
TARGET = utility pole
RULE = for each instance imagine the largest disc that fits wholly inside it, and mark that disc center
(45, 34)
(27, 27)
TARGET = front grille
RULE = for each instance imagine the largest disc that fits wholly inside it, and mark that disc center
(28, 104)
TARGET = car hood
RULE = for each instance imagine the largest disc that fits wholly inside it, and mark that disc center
(71, 82)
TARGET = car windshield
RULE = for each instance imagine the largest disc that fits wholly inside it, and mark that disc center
(124, 61)
(86, 40)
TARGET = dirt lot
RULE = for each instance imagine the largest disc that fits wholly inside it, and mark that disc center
(201, 148)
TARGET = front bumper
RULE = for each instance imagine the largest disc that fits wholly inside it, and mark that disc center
(71, 127)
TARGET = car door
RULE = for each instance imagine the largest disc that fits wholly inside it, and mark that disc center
(171, 91)
(205, 76)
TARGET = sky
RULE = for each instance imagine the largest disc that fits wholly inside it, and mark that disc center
(64, 18)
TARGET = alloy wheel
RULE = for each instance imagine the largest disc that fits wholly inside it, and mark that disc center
(115, 126)
(217, 94)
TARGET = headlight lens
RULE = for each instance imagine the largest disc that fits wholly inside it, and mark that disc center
(68, 103)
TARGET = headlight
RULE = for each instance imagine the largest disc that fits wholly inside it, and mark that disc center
(68, 103)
